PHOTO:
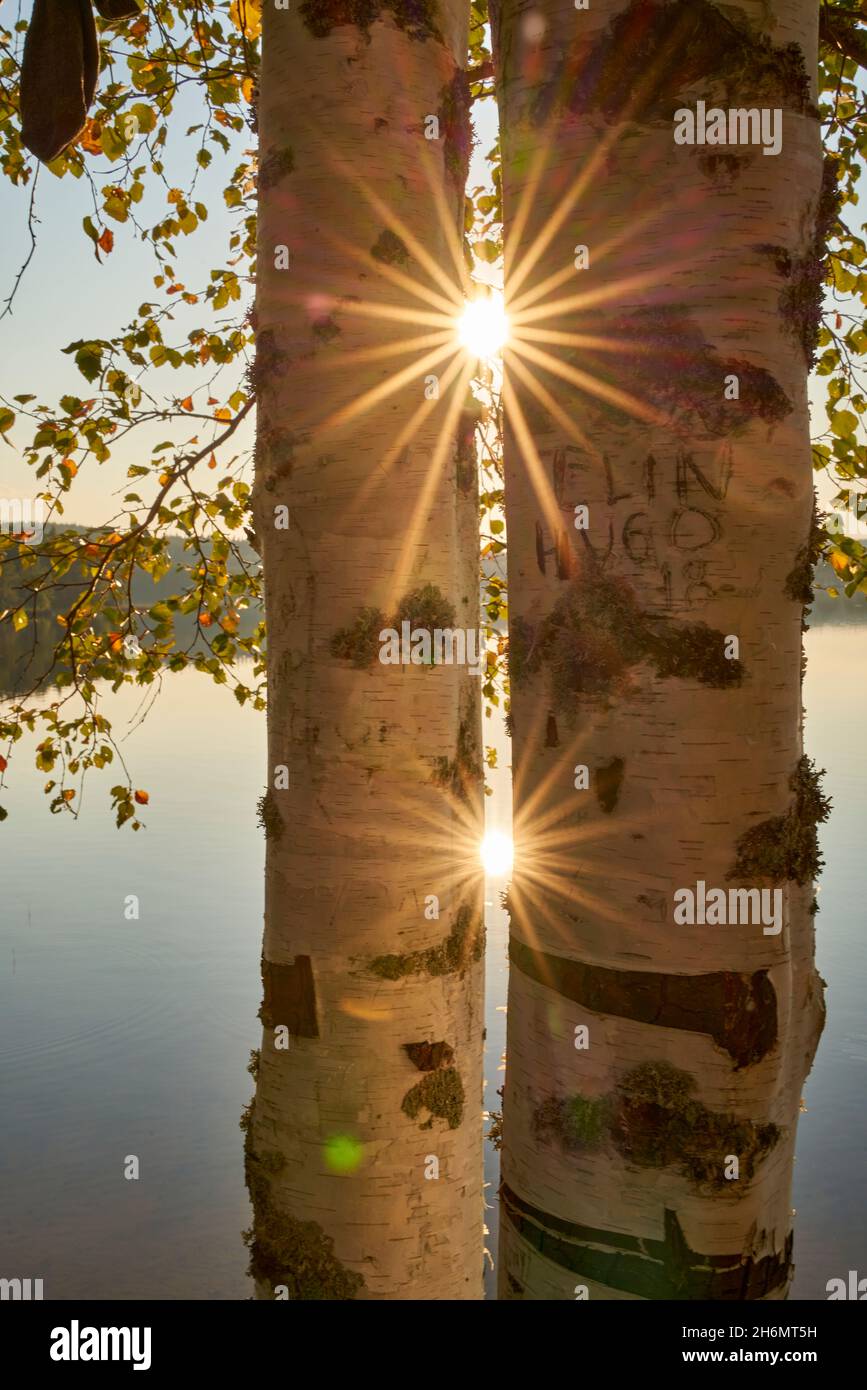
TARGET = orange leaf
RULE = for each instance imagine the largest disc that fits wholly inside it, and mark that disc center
(69, 794)
(106, 241)
(212, 461)
(69, 466)
(90, 137)
(187, 403)
(3, 763)
(142, 798)
(205, 620)
(224, 413)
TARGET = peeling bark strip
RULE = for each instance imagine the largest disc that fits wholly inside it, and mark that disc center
(738, 1011)
(653, 1269)
(652, 1120)
(655, 49)
(290, 997)
(429, 1056)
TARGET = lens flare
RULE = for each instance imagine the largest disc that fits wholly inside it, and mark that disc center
(496, 853)
(483, 328)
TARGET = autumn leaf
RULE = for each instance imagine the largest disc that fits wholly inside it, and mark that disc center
(224, 413)
(70, 467)
(20, 621)
(205, 620)
(142, 798)
(246, 15)
(3, 763)
(212, 461)
(106, 241)
(68, 795)
(90, 137)
(187, 403)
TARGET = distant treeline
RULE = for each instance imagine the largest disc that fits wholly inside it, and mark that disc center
(25, 657)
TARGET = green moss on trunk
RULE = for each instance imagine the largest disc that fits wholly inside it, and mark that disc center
(464, 944)
(269, 816)
(390, 249)
(787, 847)
(441, 1093)
(595, 634)
(652, 1120)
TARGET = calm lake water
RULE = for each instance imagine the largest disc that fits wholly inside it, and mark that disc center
(122, 1037)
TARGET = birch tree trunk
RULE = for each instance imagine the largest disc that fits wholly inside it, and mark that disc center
(665, 299)
(364, 1139)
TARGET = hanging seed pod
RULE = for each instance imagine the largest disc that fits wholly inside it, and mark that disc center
(58, 75)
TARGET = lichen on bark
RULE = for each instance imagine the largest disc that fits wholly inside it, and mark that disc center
(417, 18)
(359, 643)
(799, 580)
(426, 607)
(652, 1120)
(803, 294)
(596, 633)
(441, 1093)
(457, 130)
(462, 773)
(275, 167)
(607, 780)
(654, 50)
(269, 816)
(390, 249)
(464, 944)
(668, 363)
(787, 847)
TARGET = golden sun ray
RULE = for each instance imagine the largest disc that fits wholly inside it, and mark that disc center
(538, 475)
(445, 441)
(593, 386)
(377, 394)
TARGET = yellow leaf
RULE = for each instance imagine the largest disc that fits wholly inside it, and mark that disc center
(20, 621)
(246, 15)
(223, 413)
